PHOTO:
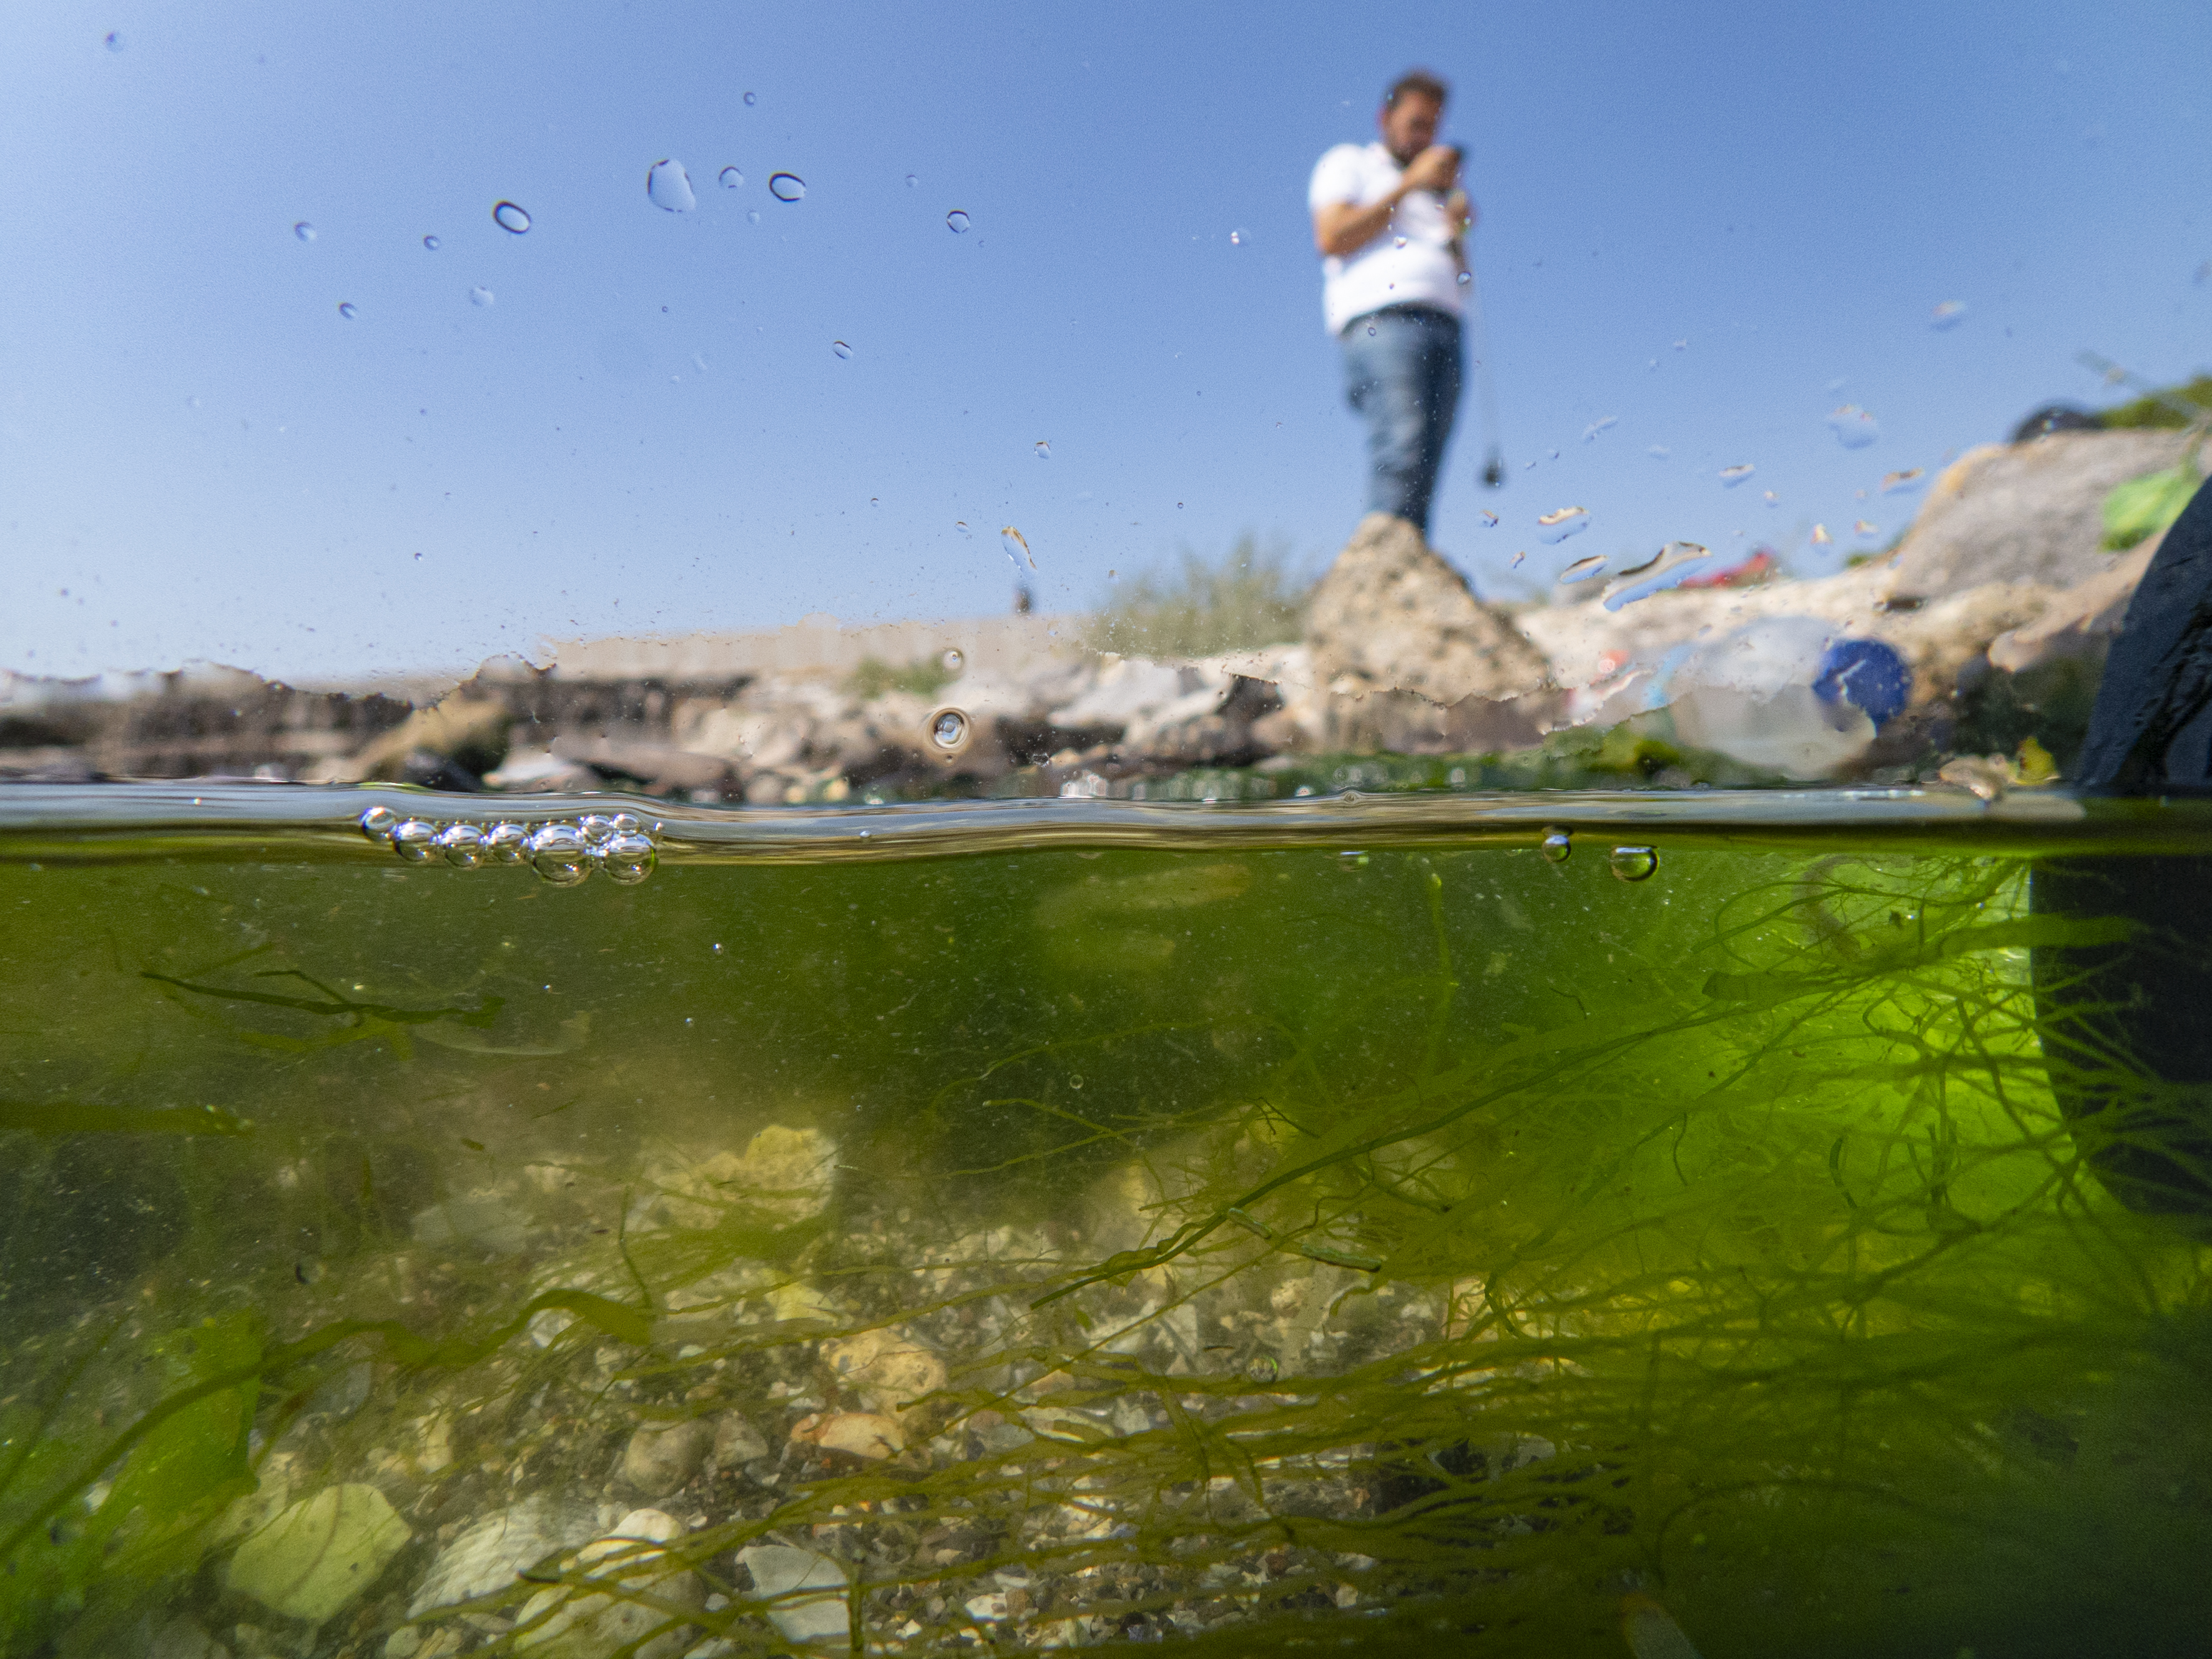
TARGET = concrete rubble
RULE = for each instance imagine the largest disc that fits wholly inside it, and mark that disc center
(2000, 600)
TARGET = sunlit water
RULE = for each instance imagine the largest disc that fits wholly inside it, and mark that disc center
(1562, 1224)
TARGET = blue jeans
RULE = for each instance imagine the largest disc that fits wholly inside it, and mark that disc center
(1402, 373)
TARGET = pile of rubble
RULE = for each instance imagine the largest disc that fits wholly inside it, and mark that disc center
(1998, 603)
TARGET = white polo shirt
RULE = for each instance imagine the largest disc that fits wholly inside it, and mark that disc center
(1409, 263)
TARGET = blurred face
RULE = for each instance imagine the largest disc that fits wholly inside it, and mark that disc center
(1409, 126)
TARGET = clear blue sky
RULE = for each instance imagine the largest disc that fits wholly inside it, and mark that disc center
(649, 429)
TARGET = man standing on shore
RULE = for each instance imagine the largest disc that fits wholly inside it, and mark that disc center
(1388, 218)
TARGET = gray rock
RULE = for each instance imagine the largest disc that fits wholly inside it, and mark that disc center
(2025, 513)
(786, 1573)
(661, 1456)
(1410, 659)
(737, 1442)
(488, 1554)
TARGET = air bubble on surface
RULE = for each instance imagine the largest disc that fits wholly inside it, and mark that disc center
(411, 839)
(483, 298)
(432, 243)
(503, 842)
(957, 222)
(1949, 314)
(953, 661)
(304, 231)
(1854, 428)
(1632, 863)
(462, 844)
(731, 179)
(841, 349)
(510, 218)
(1011, 539)
(668, 186)
(1733, 476)
(1263, 1368)
(1908, 479)
(1583, 569)
(1043, 450)
(786, 186)
(347, 310)
(595, 828)
(948, 730)
(379, 821)
(1557, 846)
(558, 854)
(627, 857)
(1565, 522)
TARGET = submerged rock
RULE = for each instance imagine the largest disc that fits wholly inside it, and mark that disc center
(889, 1370)
(641, 1612)
(783, 1176)
(320, 1553)
(787, 1574)
(661, 1456)
(490, 1553)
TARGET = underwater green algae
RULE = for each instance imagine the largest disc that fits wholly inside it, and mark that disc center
(1363, 1250)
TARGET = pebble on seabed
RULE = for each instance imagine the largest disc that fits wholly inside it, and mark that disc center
(561, 1624)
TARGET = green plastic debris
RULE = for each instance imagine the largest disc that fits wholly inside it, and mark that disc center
(320, 1552)
(2143, 506)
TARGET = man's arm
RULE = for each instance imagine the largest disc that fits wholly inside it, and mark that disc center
(1341, 228)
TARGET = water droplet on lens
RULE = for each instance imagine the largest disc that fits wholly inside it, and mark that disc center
(1263, 1368)
(304, 231)
(1866, 527)
(503, 843)
(956, 221)
(948, 730)
(347, 310)
(1398, 241)
(114, 40)
(953, 661)
(1565, 522)
(509, 217)
(961, 525)
(1465, 277)
(462, 844)
(731, 178)
(750, 99)
(1010, 538)
(1043, 450)
(668, 187)
(1235, 239)
(628, 857)
(786, 186)
(841, 348)
(432, 243)
(752, 216)
(1632, 863)
(1557, 846)
(1733, 476)
(481, 297)
(1854, 428)
(1821, 537)
(412, 838)
(1583, 569)
(558, 852)
(1949, 314)
(1517, 559)
(1489, 519)
(379, 821)
(1892, 481)
(911, 181)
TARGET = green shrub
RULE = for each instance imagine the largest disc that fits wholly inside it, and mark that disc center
(1250, 596)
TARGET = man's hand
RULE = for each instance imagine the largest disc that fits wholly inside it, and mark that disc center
(1341, 228)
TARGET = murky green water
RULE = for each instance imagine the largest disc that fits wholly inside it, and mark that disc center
(1341, 1227)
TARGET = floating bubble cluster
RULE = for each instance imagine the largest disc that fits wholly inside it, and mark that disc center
(561, 852)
